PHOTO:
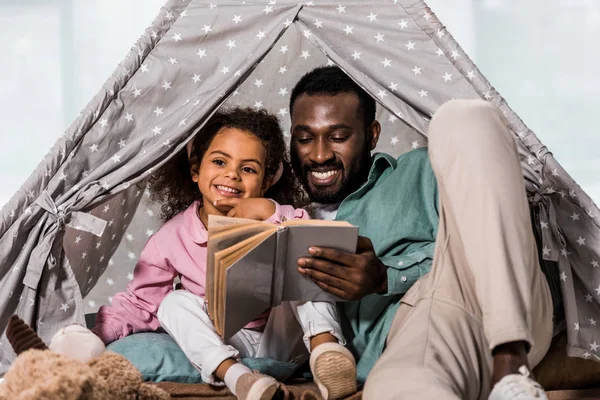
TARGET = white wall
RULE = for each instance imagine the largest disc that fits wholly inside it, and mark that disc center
(542, 55)
(56, 54)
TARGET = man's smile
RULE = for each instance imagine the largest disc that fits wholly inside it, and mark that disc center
(324, 178)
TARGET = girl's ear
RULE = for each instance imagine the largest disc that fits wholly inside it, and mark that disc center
(194, 173)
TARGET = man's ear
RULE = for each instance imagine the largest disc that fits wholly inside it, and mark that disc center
(373, 131)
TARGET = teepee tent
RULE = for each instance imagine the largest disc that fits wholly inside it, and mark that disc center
(74, 229)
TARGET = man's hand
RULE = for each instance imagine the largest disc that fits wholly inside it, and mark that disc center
(255, 208)
(346, 275)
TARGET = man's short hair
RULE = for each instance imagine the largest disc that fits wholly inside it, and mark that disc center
(331, 81)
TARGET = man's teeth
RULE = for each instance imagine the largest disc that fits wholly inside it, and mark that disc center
(228, 189)
(324, 175)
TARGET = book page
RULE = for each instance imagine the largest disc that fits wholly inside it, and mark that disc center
(296, 287)
(216, 221)
(224, 259)
(314, 222)
(224, 239)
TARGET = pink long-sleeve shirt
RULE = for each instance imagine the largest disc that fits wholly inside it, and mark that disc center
(177, 249)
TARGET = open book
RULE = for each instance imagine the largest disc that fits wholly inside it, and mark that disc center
(252, 266)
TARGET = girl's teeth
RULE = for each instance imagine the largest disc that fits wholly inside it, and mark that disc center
(226, 189)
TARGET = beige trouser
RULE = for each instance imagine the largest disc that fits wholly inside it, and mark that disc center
(485, 287)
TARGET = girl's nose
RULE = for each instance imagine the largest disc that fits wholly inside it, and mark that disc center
(233, 174)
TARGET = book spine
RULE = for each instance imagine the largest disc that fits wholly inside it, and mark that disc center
(279, 266)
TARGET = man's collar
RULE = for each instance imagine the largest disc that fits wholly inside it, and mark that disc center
(196, 228)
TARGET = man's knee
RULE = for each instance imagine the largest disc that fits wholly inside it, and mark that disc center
(462, 121)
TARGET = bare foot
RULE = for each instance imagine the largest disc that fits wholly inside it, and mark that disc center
(508, 358)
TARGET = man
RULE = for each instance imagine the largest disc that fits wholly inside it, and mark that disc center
(483, 315)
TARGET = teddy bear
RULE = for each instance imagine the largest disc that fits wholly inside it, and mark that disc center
(75, 366)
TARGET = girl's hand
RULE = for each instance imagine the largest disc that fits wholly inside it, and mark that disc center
(255, 208)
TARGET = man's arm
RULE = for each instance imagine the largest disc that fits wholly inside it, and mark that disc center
(354, 276)
(404, 270)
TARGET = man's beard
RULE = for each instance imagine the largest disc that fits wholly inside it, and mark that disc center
(349, 181)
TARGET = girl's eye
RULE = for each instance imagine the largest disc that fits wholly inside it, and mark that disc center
(218, 162)
(249, 170)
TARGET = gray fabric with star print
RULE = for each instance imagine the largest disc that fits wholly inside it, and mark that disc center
(69, 238)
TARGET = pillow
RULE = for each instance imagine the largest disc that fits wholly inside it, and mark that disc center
(160, 359)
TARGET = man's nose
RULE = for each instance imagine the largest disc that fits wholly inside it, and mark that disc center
(322, 152)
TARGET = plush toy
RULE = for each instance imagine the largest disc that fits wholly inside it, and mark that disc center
(74, 367)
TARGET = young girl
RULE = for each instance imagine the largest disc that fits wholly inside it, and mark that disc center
(237, 158)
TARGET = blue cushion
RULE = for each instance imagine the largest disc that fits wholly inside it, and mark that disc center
(160, 359)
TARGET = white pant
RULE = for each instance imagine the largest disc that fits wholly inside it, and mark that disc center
(285, 337)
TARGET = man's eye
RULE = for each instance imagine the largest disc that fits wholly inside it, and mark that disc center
(218, 162)
(339, 139)
(303, 140)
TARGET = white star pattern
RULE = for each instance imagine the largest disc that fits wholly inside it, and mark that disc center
(348, 29)
(341, 9)
(403, 24)
(372, 17)
(196, 78)
(581, 241)
(416, 70)
(393, 86)
(237, 19)
(231, 44)
(386, 63)
(575, 217)
(356, 55)
(588, 298)
(305, 54)
(379, 37)
(206, 29)
(594, 346)
(166, 85)
(201, 53)
(410, 45)
(260, 34)
(563, 276)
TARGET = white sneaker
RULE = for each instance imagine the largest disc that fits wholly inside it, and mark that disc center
(334, 370)
(518, 387)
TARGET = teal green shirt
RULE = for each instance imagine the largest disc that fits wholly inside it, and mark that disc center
(397, 209)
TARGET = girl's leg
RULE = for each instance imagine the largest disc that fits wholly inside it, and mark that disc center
(183, 315)
(332, 365)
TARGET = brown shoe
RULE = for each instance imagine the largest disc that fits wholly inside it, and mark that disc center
(334, 370)
(256, 386)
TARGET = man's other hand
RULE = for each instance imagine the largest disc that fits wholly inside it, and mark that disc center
(346, 275)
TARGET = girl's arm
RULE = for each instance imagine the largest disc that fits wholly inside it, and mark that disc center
(134, 310)
(284, 213)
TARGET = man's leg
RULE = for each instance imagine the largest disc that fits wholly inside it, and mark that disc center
(486, 293)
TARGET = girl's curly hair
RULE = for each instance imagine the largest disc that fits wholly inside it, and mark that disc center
(172, 185)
